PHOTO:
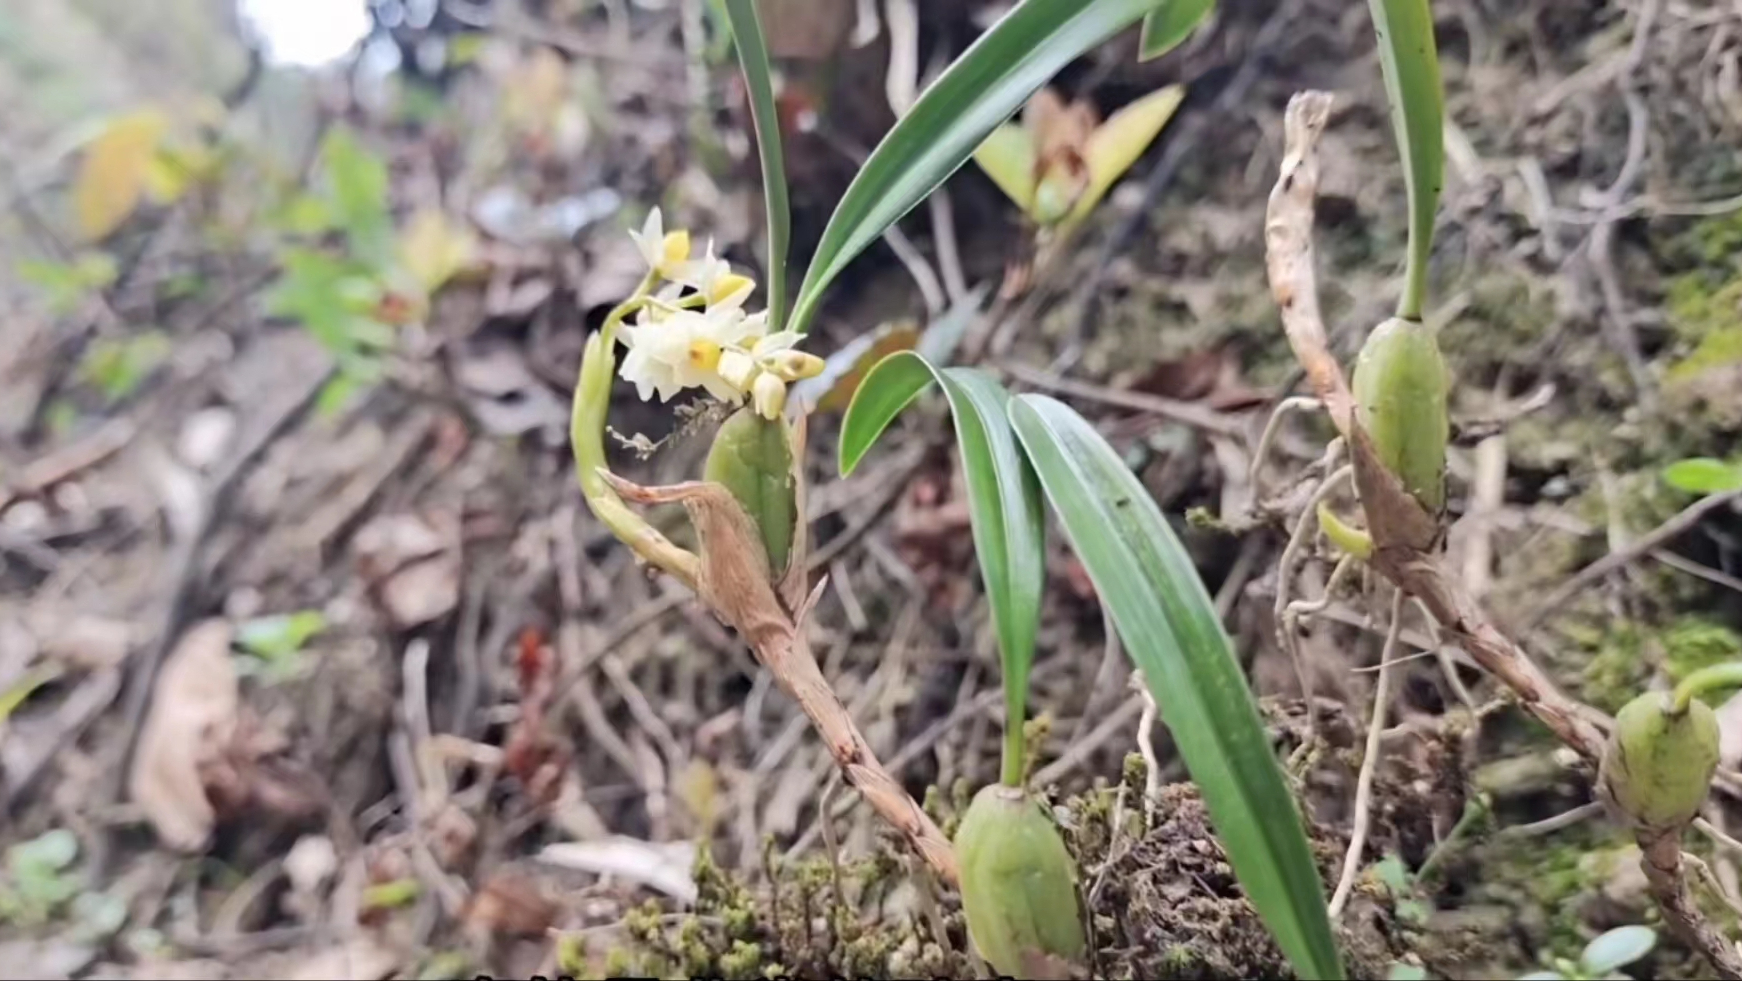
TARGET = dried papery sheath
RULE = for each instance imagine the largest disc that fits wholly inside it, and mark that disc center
(1019, 888)
(1400, 399)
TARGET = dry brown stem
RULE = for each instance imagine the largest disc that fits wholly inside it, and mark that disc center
(1406, 540)
(1666, 877)
(733, 579)
(1288, 253)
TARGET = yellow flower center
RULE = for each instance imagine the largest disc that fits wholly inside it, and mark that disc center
(675, 248)
(704, 355)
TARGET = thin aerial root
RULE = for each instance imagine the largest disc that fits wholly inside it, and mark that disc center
(1369, 763)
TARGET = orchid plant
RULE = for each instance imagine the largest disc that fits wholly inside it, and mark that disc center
(688, 325)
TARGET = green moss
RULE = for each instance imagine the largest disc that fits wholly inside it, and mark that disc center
(1551, 875)
(1623, 656)
(1695, 642)
(1707, 317)
(619, 963)
(1507, 313)
(1617, 669)
(743, 961)
(1711, 243)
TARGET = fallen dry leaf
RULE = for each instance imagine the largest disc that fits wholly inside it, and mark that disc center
(251, 774)
(512, 904)
(531, 754)
(504, 394)
(664, 865)
(85, 641)
(192, 718)
(112, 176)
(422, 593)
(433, 248)
(413, 565)
(359, 959)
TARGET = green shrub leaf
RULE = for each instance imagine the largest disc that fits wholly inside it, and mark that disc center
(1703, 475)
(1617, 949)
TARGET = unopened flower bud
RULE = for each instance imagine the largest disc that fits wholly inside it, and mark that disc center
(730, 289)
(768, 393)
(792, 365)
(1018, 886)
(1400, 398)
(1658, 764)
(737, 369)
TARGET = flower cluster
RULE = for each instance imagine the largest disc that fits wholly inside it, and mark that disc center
(693, 332)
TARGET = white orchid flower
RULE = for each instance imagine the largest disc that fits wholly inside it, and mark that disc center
(680, 350)
(666, 253)
(714, 279)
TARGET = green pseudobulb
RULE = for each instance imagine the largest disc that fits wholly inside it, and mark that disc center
(1019, 887)
(1400, 399)
(752, 458)
(1657, 765)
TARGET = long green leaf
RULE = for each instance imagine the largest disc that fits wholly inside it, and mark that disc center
(1168, 25)
(980, 89)
(1169, 625)
(1004, 506)
(753, 61)
(1411, 63)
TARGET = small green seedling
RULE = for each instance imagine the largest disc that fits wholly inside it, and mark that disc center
(1602, 958)
(1704, 475)
(38, 879)
(275, 643)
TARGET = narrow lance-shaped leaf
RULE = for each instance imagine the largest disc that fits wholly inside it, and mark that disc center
(753, 62)
(980, 89)
(1003, 505)
(1170, 24)
(1410, 61)
(1169, 626)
